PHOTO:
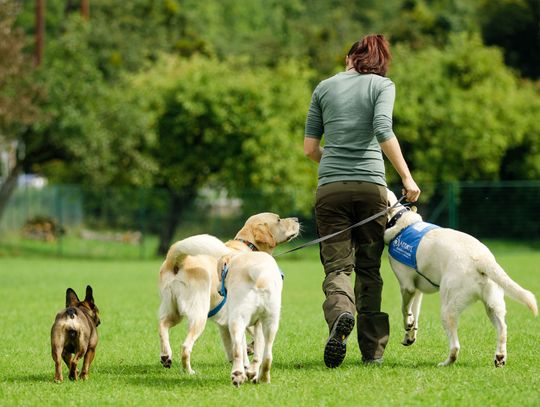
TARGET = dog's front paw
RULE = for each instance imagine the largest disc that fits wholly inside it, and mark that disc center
(166, 361)
(58, 379)
(238, 378)
(447, 362)
(253, 376)
(500, 360)
(408, 340)
(410, 322)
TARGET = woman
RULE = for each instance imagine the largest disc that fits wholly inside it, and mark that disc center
(353, 110)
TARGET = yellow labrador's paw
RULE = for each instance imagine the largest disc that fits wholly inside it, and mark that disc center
(500, 360)
(253, 376)
(166, 361)
(408, 341)
(238, 378)
(265, 378)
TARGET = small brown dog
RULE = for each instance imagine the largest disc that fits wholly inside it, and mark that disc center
(74, 332)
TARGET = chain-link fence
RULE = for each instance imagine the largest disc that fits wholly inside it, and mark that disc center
(69, 220)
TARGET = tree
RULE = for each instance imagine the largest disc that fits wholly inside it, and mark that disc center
(226, 125)
(460, 110)
(19, 96)
(514, 25)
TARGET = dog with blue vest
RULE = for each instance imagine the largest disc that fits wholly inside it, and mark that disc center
(426, 258)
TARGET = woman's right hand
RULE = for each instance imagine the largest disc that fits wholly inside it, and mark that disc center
(410, 190)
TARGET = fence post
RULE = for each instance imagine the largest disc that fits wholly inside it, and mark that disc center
(58, 209)
(453, 191)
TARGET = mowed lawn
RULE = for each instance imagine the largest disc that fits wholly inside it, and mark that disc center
(127, 371)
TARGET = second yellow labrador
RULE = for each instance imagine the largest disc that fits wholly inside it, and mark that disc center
(189, 280)
(454, 263)
(253, 283)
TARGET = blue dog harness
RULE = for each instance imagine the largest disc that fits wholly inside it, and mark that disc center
(404, 246)
(223, 290)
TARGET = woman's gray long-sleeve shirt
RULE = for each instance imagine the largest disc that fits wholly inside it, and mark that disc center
(354, 113)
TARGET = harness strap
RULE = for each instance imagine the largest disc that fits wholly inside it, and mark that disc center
(217, 308)
(431, 282)
(222, 291)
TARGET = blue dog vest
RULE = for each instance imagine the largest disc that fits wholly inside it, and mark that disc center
(403, 247)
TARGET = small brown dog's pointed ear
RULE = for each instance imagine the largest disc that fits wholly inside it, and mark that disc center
(71, 298)
(89, 295)
(414, 209)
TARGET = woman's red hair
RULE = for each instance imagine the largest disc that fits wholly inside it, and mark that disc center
(371, 55)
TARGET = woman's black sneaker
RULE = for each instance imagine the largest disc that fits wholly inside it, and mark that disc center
(336, 345)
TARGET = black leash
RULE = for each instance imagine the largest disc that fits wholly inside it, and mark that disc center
(362, 222)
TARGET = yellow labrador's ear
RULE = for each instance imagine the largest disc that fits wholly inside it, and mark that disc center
(414, 209)
(263, 235)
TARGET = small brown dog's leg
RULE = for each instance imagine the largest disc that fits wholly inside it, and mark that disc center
(88, 358)
(57, 357)
(73, 374)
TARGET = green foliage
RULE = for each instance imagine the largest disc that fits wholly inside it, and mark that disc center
(19, 93)
(93, 131)
(459, 110)
(514, 25)
(420, 23)
(226, 125)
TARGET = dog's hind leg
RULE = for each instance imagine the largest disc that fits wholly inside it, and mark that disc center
(88, 358)
(258, 348)
(165, 323)
(57, 355)
(270, 329)
(196, 328)
(496, 310)
(237, 328)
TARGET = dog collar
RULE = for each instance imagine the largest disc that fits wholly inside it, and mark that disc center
(249, 244)
(392, 222)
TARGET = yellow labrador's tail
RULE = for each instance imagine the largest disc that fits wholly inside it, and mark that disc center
(193, 246)
(496, 273)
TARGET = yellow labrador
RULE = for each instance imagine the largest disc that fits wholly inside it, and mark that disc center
(189, 279)
(456, 263)
(253, 283)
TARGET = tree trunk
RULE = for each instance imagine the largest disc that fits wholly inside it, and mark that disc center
(178, 204)
(7, 188)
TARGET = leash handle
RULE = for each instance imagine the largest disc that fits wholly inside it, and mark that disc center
(362, 222)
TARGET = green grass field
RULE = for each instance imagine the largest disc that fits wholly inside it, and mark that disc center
(127, 371)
